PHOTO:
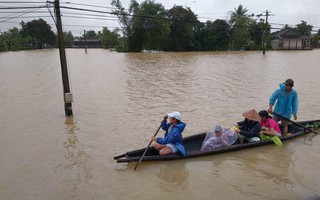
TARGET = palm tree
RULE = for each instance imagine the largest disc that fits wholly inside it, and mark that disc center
(240, 21)
(239, 16)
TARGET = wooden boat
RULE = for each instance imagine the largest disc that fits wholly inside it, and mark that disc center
(193, 144)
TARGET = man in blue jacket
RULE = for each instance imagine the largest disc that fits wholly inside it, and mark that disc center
(285, 100)
(172, 141)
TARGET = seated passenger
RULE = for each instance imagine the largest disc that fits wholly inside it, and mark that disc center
(218, 138)
(268, 125)
(250, 126)
(172, 141)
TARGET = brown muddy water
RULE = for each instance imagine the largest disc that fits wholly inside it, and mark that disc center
(119, 101)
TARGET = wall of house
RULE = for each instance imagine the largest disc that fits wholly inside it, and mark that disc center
(292, 44)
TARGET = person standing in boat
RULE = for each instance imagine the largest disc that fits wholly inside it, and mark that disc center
(250, 126)
(268, 125)
(172, 141)
(285, 100)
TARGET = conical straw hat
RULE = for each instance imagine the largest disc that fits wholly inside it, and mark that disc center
(252, 115)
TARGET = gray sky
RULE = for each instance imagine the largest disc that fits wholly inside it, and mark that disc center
(282, 12)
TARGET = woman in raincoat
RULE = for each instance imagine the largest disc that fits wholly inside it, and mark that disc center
(219, 137)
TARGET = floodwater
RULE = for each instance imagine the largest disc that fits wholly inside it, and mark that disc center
(119, 101)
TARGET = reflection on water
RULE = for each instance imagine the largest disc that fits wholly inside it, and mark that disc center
(172, 176)
(119, 101)
(76, 165)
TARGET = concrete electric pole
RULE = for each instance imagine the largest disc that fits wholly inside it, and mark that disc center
(64, 70)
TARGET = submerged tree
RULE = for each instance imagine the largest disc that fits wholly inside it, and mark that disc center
(10, 40)
(240, 21)
(214, 36)
(123, 17)
(91, 34)
(40, 33)
(183, 23)
(149, 27)
(110, 39)
(260, 35)
(68, 39)
(304, 28)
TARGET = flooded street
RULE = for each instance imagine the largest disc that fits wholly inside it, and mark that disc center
(119, 101)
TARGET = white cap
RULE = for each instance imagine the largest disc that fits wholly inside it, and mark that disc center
(175, 115)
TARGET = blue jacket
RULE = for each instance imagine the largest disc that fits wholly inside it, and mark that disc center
(286, 102)
(174, 137)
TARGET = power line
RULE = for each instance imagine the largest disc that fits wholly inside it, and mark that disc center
(90, 5)
(69, 25)
(11, 2)
(24, 13)
(64, 16)
(17, 17)
(21, 7)
(80, 17)
(73, 13)
(15, 12)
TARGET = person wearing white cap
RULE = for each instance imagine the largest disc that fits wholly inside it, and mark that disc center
(172, 141)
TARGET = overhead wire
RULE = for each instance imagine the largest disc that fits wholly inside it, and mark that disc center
(70, 25)
(11, 2)
(15, 12)
(21, 7)
(89, 5)
(48, 7)
(22, 14)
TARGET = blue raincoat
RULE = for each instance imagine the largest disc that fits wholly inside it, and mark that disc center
(286, 102)
(174, 136)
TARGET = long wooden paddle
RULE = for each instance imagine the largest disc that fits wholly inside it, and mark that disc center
(295, 123)
(145, 151)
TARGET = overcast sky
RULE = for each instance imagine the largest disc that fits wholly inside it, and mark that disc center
(282, 12)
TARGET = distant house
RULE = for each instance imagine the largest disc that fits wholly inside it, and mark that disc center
(90, 43)
(289, 39)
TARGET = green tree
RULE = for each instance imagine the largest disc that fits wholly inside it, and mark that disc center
(91, 34)
(215, 36)
(4, 42)
(68, 39)
(149, 28)
(123, 17)
(40, 33)
(304, 28)
(240, 21)
(183, 23)
(144, 26)
(260, 35)
(110, 39)
(316, 40)
(10, 40)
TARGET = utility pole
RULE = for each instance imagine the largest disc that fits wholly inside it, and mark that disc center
(64, 70)
(85, 42)
(264, 33)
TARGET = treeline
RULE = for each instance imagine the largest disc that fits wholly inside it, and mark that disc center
(32, 35)
(37, 34)
(149, 26)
